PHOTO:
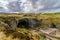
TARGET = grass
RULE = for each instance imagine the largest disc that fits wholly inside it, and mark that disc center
(27, 34)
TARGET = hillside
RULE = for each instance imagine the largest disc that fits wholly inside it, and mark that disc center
(29, 26)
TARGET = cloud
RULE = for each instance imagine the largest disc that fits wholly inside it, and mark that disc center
(29, 6)
(50, 5)
(3, 7)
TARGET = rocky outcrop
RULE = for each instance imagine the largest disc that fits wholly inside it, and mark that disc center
(28, 23)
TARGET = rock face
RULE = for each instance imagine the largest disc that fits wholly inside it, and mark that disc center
(12, 23)
(26, 23)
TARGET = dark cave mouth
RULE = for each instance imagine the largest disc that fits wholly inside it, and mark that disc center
(27, 23)
(23, 23)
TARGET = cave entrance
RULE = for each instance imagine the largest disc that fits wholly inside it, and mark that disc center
(23, 23)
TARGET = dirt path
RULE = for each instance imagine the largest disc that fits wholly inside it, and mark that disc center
(46, 33)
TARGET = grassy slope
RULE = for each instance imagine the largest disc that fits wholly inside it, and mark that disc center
(51, 17)
(19, 34)
(47, 19)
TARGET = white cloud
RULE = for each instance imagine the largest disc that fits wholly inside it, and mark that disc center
(38, 6)
(57, 4)
(29, 5)
(28, 8)
(3, 4)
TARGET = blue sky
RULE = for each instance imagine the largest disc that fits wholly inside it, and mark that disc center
(29, 6)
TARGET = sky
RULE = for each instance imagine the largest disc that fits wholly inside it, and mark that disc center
(29, 6)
